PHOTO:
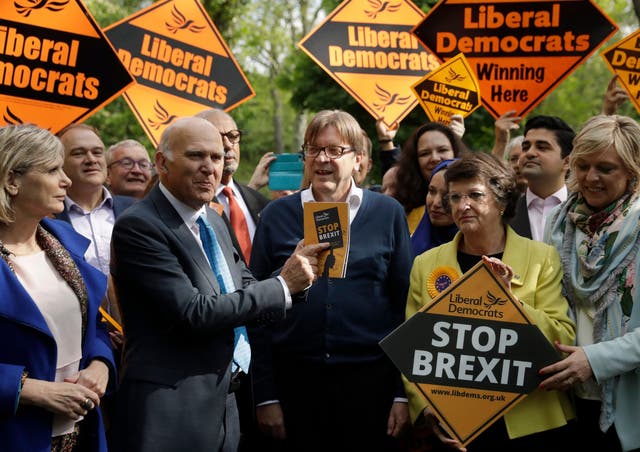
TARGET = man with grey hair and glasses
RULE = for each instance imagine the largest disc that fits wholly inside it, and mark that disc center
(129, 168)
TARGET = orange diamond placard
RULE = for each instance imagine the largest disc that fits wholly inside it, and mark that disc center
(520, 50)
(56, 65)
(450, 89)
(180, 62)
(367, 47)
(623, 58)
(473, 353)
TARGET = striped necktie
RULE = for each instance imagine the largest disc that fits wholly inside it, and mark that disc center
(242, 350)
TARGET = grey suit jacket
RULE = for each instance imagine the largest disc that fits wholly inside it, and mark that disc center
(178, 328)
(520, 222)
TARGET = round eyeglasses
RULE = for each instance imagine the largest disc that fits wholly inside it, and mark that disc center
(128, 163)
(476, 197)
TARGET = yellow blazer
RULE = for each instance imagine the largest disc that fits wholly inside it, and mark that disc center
(537, 282)
(414, 217)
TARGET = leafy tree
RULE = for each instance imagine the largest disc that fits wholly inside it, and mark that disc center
(263, 36)
(580, 95)
(116, 121)
(312, 89)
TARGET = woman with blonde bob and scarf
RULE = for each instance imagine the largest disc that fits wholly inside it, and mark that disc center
(55, 361)
(597, 233)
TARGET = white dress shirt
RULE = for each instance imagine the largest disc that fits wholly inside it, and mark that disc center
(354, 198)
(222, 199)
(540, 208)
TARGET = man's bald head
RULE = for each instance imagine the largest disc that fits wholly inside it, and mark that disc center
(189, 160)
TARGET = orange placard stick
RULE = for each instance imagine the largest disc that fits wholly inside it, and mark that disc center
(107, 318)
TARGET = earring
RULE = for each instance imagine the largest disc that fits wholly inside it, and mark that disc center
(501, 212)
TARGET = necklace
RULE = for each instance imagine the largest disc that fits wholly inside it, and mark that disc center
(5, 253)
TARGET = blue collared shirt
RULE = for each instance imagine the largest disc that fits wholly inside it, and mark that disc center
(96, 225)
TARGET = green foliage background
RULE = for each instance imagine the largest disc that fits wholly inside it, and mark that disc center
(289, 86)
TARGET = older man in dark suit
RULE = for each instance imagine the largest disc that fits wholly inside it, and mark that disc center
(242, 204)
(179, 317)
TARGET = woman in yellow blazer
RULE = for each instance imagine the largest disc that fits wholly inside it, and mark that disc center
(482, 198)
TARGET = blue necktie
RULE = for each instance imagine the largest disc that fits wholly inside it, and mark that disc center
(241, 350)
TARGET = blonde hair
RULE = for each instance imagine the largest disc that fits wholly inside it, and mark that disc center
(23, 147)
(601, 133)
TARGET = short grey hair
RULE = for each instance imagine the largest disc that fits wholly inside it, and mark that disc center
(515, 141)
(128, 143)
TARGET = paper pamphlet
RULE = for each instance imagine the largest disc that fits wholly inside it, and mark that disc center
(328, 222)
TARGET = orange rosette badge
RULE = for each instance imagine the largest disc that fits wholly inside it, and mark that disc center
(440, 279)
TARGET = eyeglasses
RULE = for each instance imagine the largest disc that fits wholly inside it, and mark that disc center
(475, 197)
(332, 152)
(128, 163)
(232, 135)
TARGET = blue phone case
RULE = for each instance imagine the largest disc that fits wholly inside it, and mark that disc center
(285, 173)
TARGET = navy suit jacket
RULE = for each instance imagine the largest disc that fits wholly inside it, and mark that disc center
(179, 344)
(254, 200)
(520, 222)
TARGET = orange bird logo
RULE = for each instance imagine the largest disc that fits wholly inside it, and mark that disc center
(387, 99)
(379, 7)
(31, 5)
(180, 22)
(163, 117)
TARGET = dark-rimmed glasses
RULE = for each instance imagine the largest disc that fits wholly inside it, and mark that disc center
(332, 151)
(232, 135)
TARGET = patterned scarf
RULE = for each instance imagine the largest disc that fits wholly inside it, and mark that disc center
(64, 265)
(601, 231)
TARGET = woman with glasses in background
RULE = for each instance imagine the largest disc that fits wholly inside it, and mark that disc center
(481, 198)
(321, 381)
